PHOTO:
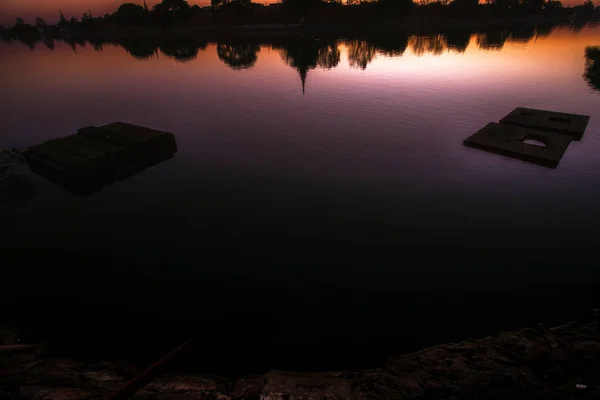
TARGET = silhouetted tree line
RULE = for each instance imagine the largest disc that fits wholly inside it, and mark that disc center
(178, 13)
(304, 53)
(592, 67)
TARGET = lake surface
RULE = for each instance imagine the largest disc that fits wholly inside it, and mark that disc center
(321, 211)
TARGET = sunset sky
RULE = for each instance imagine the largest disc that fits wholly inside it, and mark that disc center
(48, 9)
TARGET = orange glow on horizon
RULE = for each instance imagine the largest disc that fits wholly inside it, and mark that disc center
(560, 53)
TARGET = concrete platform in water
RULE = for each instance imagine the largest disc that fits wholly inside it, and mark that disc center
(536, 136)
(96, 156)
(511, 141)
(573, 125)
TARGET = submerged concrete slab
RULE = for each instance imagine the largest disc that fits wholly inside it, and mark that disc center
(123, 134)
(511, 141)
(97, 156)
(569, 124)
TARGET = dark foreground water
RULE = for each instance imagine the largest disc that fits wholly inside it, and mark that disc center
(321, 211)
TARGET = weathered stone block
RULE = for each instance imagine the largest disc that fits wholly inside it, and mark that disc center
(573, 125)
(511, 141)
(97, 156)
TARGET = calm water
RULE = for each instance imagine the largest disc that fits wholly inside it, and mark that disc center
(321, 210)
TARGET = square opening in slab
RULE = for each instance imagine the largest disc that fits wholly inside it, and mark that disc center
(561, 120)
(573, 125)
(542, 148)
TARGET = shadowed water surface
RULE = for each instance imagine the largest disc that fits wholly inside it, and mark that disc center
(321, 211)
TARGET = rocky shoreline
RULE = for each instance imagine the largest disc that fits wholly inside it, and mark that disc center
(532, 363)
(13, 186)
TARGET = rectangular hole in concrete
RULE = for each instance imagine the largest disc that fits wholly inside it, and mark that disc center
(561, 120)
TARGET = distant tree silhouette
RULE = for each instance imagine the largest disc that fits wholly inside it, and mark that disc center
(553, 5)
(28, 34)
(62, 21)
(233, 11)
(464, 6)
(40, 23)
(395, 6)
(170, 11)
(22, 32)
(222, 3)
(302, 8)
(238, 55)
(592, 67)
(87, 18)
(532, 6)
(504, 6)
(326, 54)
(360, 53)
(172, 6)
(129, 14)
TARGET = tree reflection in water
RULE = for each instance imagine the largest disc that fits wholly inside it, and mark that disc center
(360, 53)
(458, 40)
(182, 49)
(329, 55)
(433, 44)
(300, 54)
(304, 52)
(492, 40)
(140, 48)
(591, 74)
(238, 55)
(389, 46)
(522, 34)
